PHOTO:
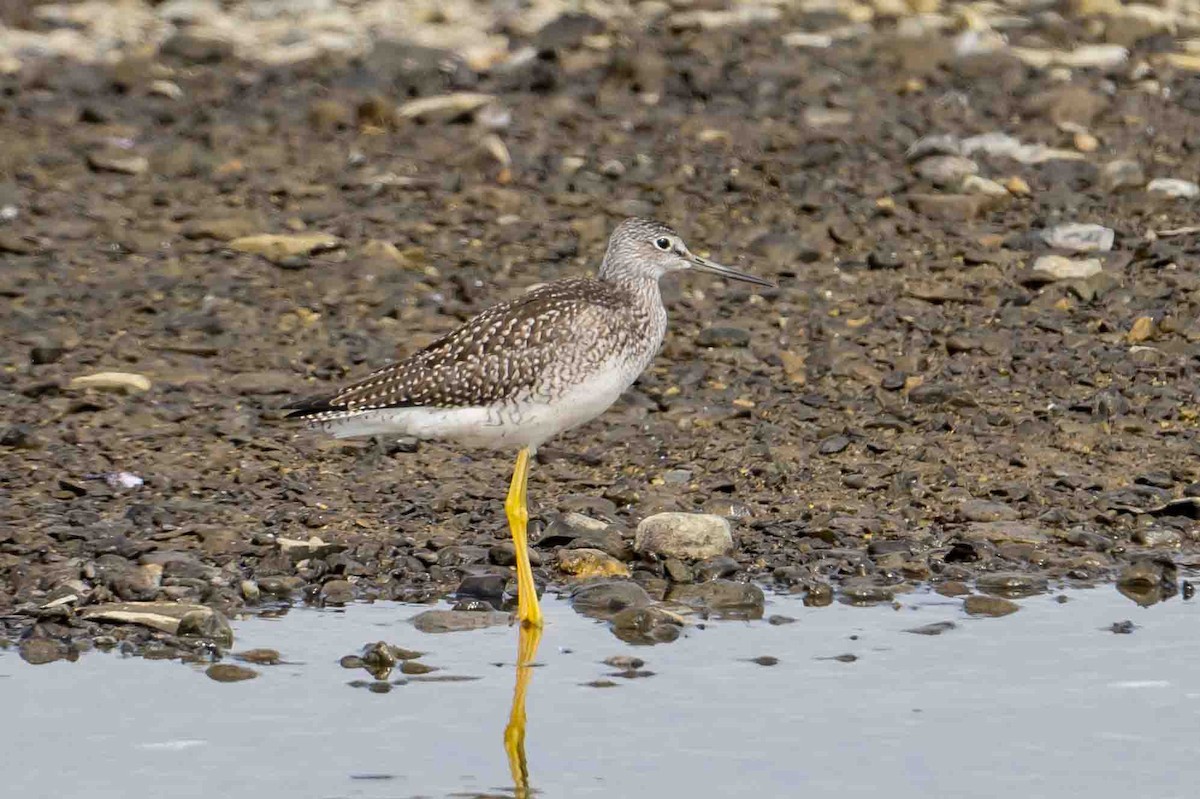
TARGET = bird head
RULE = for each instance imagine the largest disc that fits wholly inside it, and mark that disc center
(645, 248)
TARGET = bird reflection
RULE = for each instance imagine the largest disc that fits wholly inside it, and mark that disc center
(514, 734)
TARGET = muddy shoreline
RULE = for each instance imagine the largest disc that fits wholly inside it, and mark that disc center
(952, 383)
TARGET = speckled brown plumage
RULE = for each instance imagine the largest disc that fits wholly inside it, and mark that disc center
(531, 346)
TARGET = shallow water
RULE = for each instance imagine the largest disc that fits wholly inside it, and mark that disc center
(1047, 702)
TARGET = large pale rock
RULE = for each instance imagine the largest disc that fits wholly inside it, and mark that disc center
(688, 536)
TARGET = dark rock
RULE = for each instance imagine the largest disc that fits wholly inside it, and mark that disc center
(723, 597)
(230, 672)
(646, 625)
(603, 600)
(724, 337)
(39, 651)
(989, 606)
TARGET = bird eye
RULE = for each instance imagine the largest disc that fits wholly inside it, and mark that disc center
(663, 244)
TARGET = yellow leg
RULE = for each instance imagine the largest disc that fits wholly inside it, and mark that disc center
(514, 733)
(517, 510)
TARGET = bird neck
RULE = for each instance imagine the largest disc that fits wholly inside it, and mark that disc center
(642, 288)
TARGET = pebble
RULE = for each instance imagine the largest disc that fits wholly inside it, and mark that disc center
(986, 187)
(723, 337)
(230, 672)
(445, 108)
(720, 596)
(833, 445)
(1078, 237)
(646, 625)
(765, 660)
(1122, 174)
(112, 381)
(1158, 537)
(687, 536)
(1012, 584)
(1173, 188)
(945, 170)
(989, 606)
(982, 510)
(120, 162)
(337, 592)
(261, 657)
(450, 621)
(39, 651)
(221, 228)
(1057, 267)
(604, 600)
(283, 248)
(584, 563)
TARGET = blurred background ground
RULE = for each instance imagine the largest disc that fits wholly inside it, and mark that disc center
(980, 359)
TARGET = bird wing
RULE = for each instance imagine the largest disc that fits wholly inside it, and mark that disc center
(504, 352)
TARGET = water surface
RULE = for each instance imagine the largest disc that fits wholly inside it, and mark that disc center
(1047, 702)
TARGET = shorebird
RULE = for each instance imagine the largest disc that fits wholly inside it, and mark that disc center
(527, 369)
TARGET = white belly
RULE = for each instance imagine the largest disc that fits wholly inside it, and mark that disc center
(517, 424)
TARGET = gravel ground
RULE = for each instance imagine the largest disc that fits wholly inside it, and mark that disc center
(979, 363)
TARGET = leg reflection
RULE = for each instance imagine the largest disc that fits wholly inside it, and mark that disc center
(514, 734)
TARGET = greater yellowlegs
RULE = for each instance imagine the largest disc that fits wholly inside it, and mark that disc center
(527, 369)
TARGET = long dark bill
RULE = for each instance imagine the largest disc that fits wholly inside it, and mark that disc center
(705, 265)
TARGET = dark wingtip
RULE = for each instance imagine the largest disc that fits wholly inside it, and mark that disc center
(310, 406)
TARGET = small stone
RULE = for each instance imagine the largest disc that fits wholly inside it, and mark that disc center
(937, 144)
(16, 245)
(1011, 584)
(765, 660)
(1050, 268)
(1122, 174)
(449, 621)
(646, 625)
(945, 170)
(1017, 187)
(624, 662)
(950, 207)
(986, 187)
(1122, 627)
(807, 40)
(282, 248)
(337, 592)
(167, 89)
(833, 445)
(483, 586)
(197, 48)
(1173, 188)
(112, 381)
(687, 536)
(39, 651)
(1079, 237)
(606, 599)
(230, 672)
(778, 620)
(584, 563)
(721, 596)
(723, 337)
(260, 657)
(980, 510)
(936, 628)
(1142, 329)
(328, 115)
(118, 161)
(222, 228)
(445, 108)
(1157, 537)
(989, 606)
(885, 259)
